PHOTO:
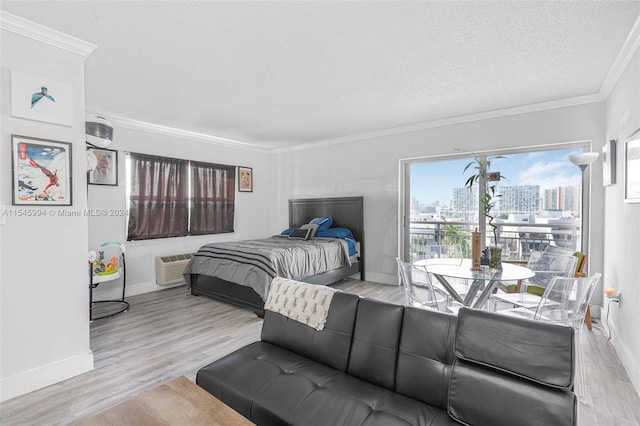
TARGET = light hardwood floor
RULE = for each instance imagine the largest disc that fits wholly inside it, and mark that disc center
(170, 333)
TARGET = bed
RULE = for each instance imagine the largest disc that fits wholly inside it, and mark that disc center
(347, 212)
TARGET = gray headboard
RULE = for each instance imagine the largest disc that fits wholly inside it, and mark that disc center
(347, 212)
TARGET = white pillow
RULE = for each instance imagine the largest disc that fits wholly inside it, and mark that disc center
(313, 228)
(300, 234)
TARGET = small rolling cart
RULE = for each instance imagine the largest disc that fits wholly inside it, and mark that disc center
(107, 264)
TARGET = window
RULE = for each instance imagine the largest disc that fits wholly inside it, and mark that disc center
(539, 204)
(170, 197)
(212, 198)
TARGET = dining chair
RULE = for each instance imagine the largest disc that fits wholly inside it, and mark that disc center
(450, 254)
(546, 266)
(565, 301)
(581, 264)
(419, 291)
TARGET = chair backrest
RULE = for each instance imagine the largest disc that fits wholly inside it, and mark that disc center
(417, 285)
(581, 258)
(547, 265)
(566, 299)
(450, 254)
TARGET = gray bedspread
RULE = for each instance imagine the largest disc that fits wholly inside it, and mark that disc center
(255, 263)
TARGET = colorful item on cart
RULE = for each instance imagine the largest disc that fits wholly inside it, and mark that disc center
(100, 268)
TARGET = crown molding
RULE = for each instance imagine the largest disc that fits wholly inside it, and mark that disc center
(627, 51)
(237, 144)
(524, 109)
(144, 126)
(34, 31)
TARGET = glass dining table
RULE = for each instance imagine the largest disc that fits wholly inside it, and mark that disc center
(482, 282)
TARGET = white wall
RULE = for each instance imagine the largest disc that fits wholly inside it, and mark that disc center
(251, 208)
(371, 168)
(43, 279)
(622, 225)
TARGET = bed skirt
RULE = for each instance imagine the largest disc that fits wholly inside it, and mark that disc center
(246, 297)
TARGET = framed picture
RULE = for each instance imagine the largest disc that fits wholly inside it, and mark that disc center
(245, 179)
(632, 168)
(41, 171)
(105, 170)
(39, 98)
(609, 163)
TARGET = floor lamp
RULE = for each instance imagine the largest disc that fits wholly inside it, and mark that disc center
(583, 160)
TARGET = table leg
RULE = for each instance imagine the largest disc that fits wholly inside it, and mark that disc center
(486, 293)
(452, 291)
(473, 290)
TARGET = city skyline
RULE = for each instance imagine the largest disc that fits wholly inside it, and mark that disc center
(546, 169)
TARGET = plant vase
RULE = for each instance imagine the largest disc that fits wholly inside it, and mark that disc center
(495, 258)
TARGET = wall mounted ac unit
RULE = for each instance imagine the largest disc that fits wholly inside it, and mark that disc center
(169, 269)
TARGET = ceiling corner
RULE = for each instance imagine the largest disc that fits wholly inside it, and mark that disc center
(627, 51)
(32, 30)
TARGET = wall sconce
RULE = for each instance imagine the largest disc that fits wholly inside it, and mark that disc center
(583, 159)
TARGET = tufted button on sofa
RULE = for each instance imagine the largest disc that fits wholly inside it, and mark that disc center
(376, 363)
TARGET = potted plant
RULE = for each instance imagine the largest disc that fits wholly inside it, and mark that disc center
(488, 200)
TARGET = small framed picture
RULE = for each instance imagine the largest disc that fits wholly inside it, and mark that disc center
(245, 179)
(609, 163)
(39, 98)
(632, 168)
(41, 171)
(105, 166)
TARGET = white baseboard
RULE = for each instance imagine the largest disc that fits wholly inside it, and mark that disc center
(629, 362)
(39, 377)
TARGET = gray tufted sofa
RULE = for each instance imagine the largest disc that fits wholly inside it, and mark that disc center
(377, 363)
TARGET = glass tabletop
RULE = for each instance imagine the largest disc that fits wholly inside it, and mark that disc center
(455, 269)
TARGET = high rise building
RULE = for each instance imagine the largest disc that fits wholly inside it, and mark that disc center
(465, 203)
(566, 198)
(519, 199)
(553, 198)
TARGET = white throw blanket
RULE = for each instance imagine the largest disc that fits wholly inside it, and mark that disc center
(302, 302)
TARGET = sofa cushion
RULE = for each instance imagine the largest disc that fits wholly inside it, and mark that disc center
(330, 346)
(273, 386)
(481, 396)
(511, 371)
(426, 355)
(374, 350)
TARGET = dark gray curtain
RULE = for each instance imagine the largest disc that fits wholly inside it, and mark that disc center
(159, 197)
(213, 194)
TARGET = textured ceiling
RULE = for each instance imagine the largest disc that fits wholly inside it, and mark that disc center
(277, 74)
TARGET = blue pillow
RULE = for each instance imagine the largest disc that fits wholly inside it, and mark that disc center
(334, 233)
(288, 230)
(323, 223)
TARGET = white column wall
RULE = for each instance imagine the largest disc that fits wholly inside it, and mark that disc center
(622, 225)
(43, 278)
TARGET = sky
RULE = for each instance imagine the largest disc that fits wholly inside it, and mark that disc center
(433, 181)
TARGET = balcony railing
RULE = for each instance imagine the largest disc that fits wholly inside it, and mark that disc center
(516, 239)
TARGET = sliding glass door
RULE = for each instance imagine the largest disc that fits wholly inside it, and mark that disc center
(538, 203)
